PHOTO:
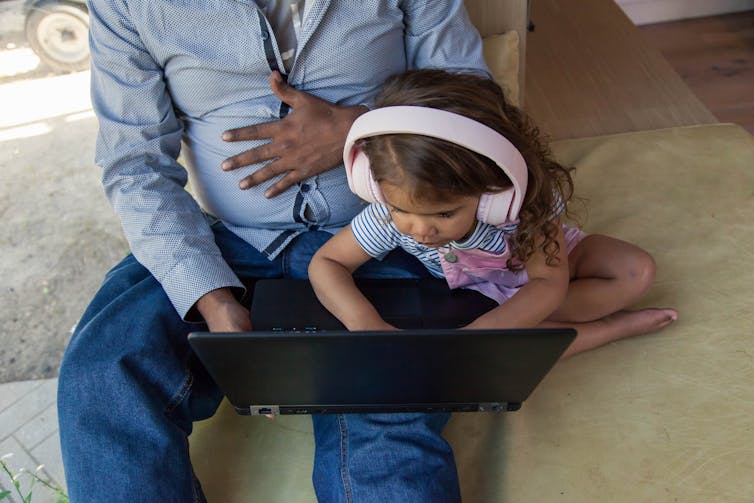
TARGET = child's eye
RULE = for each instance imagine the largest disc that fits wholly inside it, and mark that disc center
(445, 214)
(395, 210)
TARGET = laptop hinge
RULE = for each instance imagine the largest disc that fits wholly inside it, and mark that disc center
(264, 410)
(493, 407)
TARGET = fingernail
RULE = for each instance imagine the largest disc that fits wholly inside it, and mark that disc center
(268, 194)
(225, 166)
(244, 185)
(227, 136)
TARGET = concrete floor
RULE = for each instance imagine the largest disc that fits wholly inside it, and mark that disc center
(58, 238)
(59, 235)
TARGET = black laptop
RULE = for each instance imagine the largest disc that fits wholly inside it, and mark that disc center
(300, 360)
(292, 305)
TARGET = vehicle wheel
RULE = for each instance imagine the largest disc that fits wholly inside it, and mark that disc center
(59, 34)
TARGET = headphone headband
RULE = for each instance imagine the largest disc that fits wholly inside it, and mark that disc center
(443, 125)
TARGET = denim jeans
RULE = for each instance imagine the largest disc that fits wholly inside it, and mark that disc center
(130, 389)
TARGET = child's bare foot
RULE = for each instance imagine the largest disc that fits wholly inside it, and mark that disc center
(630, 323)
(616, 326)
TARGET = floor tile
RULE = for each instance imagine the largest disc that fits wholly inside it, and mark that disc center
(39, 427)
(24, 409)
(13, 391)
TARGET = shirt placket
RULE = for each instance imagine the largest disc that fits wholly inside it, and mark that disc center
(314, 211)
(309, 206)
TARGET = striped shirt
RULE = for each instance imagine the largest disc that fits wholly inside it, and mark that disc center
(169, 77)
(376, 233)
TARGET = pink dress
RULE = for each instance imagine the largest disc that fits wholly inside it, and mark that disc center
(488, 273)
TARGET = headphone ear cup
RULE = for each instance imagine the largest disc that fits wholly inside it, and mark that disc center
(360, 179)
(496, 208)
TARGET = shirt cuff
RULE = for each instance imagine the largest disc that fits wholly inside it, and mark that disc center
(195, 276)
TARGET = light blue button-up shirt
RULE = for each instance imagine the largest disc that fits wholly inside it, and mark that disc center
(167, 75)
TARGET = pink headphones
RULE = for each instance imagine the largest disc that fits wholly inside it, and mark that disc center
(494, 208)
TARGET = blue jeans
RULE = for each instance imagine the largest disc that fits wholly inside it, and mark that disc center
(130, 389)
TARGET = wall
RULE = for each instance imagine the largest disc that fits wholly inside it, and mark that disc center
(655, 11)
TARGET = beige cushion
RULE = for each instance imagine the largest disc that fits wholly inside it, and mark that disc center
(664, 417)
(501, 54)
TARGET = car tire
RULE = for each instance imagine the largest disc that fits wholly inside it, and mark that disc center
(58, 33)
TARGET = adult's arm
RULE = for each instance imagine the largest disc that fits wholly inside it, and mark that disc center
(442, 36)
(137, 147)
(310, 139)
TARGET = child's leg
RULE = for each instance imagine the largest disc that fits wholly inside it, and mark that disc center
(607, 275)
(616, 326)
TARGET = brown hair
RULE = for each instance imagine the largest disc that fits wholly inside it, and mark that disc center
(432, 169)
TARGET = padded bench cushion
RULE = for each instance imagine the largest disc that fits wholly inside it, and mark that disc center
(655, 418)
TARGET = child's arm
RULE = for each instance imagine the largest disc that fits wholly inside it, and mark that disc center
(330, 273)
(535, 301)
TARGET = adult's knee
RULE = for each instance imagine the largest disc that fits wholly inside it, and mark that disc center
(87, 367)
(131, 320)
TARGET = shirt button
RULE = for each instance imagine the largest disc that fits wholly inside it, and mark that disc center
(305, 188)
(265, 35)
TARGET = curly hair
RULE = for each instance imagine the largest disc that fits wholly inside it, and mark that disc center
(432, 170)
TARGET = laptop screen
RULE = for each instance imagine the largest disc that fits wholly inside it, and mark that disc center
(339, 371)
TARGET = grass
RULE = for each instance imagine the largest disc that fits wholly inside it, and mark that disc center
(15, 480)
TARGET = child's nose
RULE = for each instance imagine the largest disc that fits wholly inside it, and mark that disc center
(423, 229)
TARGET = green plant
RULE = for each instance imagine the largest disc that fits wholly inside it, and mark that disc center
(6, 493)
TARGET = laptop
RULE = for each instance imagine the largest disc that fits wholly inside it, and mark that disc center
(291, 304)
(323, 368)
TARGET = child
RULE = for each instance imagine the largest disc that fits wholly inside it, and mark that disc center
(461, 180)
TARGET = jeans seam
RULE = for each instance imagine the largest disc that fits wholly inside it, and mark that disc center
(285, 263)
(178, 397)
(344, 458)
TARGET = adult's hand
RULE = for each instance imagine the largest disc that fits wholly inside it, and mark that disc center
(222, 312)
(306, 142)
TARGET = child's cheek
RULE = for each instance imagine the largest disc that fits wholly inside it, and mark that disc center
(400, 224)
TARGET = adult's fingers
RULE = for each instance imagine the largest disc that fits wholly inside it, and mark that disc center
(289, 180)
(271, 171)
(261, 175)
(253, 156)
(255, 132)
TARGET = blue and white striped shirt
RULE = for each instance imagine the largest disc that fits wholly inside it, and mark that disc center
(376, 233)
(172, 74)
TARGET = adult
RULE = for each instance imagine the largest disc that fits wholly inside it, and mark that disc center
(172, 78)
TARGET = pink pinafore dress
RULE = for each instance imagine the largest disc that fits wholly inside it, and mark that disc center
(487, 272)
